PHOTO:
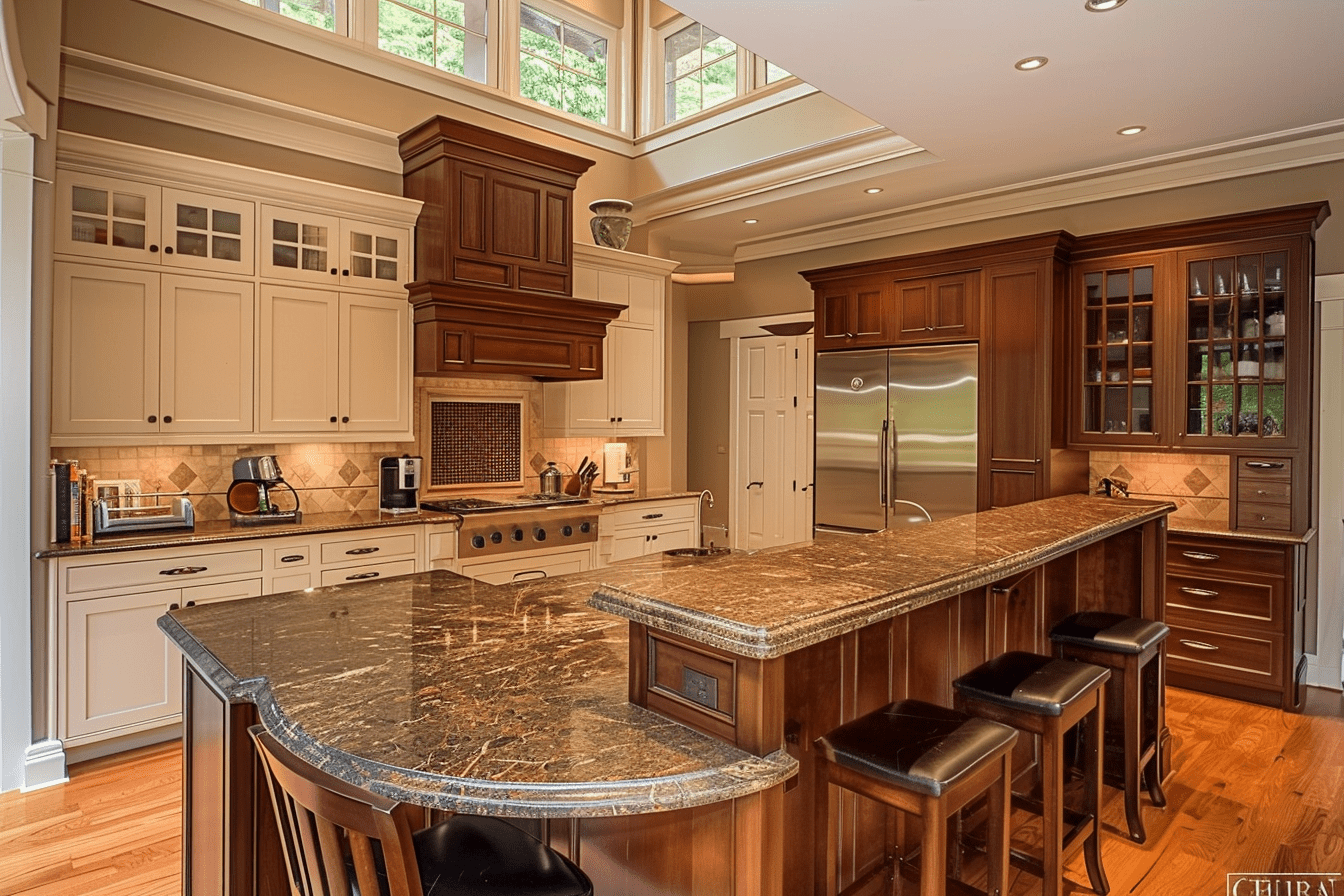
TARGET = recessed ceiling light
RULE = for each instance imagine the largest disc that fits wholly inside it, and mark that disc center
(1031, 63)
(1102, 5)
(1132, 130)
(750, 221)
(873, 190)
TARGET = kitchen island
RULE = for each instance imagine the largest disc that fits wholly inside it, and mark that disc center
(530, 700)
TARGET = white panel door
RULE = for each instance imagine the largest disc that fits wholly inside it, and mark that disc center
(105, 350)
(375, 364)
(206, 364)
(767, 445)
(300, 331)
(805, 439)
(636, 383)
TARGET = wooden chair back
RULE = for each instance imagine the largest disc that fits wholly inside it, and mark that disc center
(329, 828)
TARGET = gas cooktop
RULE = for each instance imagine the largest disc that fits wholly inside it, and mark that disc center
(496, 505)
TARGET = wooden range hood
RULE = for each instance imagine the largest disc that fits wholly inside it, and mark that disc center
(494, 257)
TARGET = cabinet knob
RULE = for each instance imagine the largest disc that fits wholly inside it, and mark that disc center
(930, 329)
(333, 419)
(619, 419)
(153, 248)
(611, 419)
(333, 272)
(167, 250)
(345, 419)
(167, 418)
(345, 273)
(153, 419)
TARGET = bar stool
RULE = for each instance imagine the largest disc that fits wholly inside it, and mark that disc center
(1048, 697)
(1131, 646)
(926, 760)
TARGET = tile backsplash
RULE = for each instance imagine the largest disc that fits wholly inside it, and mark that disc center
(328, 477)
(1198, 484)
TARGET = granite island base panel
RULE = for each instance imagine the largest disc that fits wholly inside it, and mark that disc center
(526, 700)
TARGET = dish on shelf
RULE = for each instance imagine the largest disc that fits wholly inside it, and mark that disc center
(1143, 373)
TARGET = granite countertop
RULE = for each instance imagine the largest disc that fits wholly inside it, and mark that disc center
(451, 693)
(1179, 526)
(769, 603)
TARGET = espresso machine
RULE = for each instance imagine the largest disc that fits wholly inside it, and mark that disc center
(260, 494)
(399, 484)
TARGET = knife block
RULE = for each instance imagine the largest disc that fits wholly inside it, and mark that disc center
(573, 486)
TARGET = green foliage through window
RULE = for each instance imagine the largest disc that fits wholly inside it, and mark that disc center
(318, 13)
(449, 35)
(699, 71)
(562, 65)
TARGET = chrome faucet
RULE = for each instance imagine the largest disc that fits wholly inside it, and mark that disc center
(705, 495)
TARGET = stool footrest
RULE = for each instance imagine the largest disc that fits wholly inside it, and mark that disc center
(909, 868)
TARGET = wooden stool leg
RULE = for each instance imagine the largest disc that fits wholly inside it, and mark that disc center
(1094, 752)
(933, 849)
(823, 871)
(996, 831)
(1052, 808)
(1152, 678)
(1131, 698)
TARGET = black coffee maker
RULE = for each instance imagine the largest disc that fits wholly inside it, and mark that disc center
(399, 484)
(260, 494)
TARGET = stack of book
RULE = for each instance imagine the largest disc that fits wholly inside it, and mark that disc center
(69, 491)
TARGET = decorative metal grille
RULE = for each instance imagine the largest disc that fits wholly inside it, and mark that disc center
(475, 442)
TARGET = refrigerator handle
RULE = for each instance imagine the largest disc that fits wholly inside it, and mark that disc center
(882, 464)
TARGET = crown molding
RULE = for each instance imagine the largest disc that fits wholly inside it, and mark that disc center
(870, 146)
(1279, 152)
(97, 155)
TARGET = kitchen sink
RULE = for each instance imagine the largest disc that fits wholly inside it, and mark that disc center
(696, 552)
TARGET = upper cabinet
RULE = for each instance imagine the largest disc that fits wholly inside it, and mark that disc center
(111, 218)
(854, 315)
(938, 308)
(187, 316)
(1202, 341)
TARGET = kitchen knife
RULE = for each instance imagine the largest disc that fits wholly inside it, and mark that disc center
(578, 471)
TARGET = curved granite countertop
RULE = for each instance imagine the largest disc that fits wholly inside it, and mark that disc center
(451, 693)
(1178, 526)
(769, 603)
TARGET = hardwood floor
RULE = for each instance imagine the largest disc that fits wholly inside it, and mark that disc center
(1252, 790)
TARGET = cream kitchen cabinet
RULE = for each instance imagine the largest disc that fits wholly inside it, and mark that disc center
(116, 674)
(628, 400)
(527, 565)
(136, 351)
(334, 362)
(360, 556)
(633, 530)
(332, 251)
(126, 220)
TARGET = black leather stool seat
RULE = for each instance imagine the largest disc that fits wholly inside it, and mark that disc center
(1109, 631)
(916, 745)
(469, 855)
(1031, 682)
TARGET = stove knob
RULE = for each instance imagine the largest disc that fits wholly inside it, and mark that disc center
(496, 537)
(539, 534)
(517, 534)
(567, 531)
(585, 528)
(478, 541)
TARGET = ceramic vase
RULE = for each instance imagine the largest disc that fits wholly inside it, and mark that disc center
(611, 222)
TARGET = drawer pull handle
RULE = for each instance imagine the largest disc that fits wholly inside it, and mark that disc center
(291, 558)
(1264, 465)
(652, 516)
(358, 551)
(529, 574)
(1200, 556)
(362, 575)
(1198, 645)
(1198, 592)
(183, 570)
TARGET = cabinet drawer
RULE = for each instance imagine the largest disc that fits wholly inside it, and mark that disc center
(1252, 515)
(367, 572)
(164, 572)
(650, 512)
(292, 557)
(1203, 596)
(1266, 491)
(1252, 470)
(1240, 658)
(371, 548)
(540, 565)
(1223, 558)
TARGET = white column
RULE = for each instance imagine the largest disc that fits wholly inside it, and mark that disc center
(1324, 669)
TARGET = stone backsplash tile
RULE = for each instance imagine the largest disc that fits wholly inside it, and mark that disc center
(1198, 484)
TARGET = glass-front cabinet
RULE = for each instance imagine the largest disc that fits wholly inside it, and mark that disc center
(1239, 327)
(1121, 372)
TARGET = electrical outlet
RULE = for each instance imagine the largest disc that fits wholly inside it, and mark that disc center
(699, 687)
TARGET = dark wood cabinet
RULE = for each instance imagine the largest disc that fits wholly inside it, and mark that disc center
(1236, 608)
(854, 315)
(938, 308)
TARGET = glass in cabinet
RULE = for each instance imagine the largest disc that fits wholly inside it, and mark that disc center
(1119, 323)
(1237, 346)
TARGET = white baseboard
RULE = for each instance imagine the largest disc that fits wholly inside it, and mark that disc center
(1320, 676)
(43, 765)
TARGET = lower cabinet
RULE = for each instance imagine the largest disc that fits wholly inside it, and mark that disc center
(647, 527)
(1236, 608)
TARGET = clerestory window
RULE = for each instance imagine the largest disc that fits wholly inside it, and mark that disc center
(449, 35)
(700, 70)
(564, 65)
(323, 14)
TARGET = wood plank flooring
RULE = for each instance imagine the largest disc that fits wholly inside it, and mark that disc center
(1253, 789)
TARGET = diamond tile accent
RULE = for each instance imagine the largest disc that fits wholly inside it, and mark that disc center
(349, 472)
(182, 477)
(1196, 481)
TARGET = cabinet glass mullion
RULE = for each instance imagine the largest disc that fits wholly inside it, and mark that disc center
(1118, 358)
(1236, 354)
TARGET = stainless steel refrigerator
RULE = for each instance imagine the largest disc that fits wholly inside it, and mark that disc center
(895, 436)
